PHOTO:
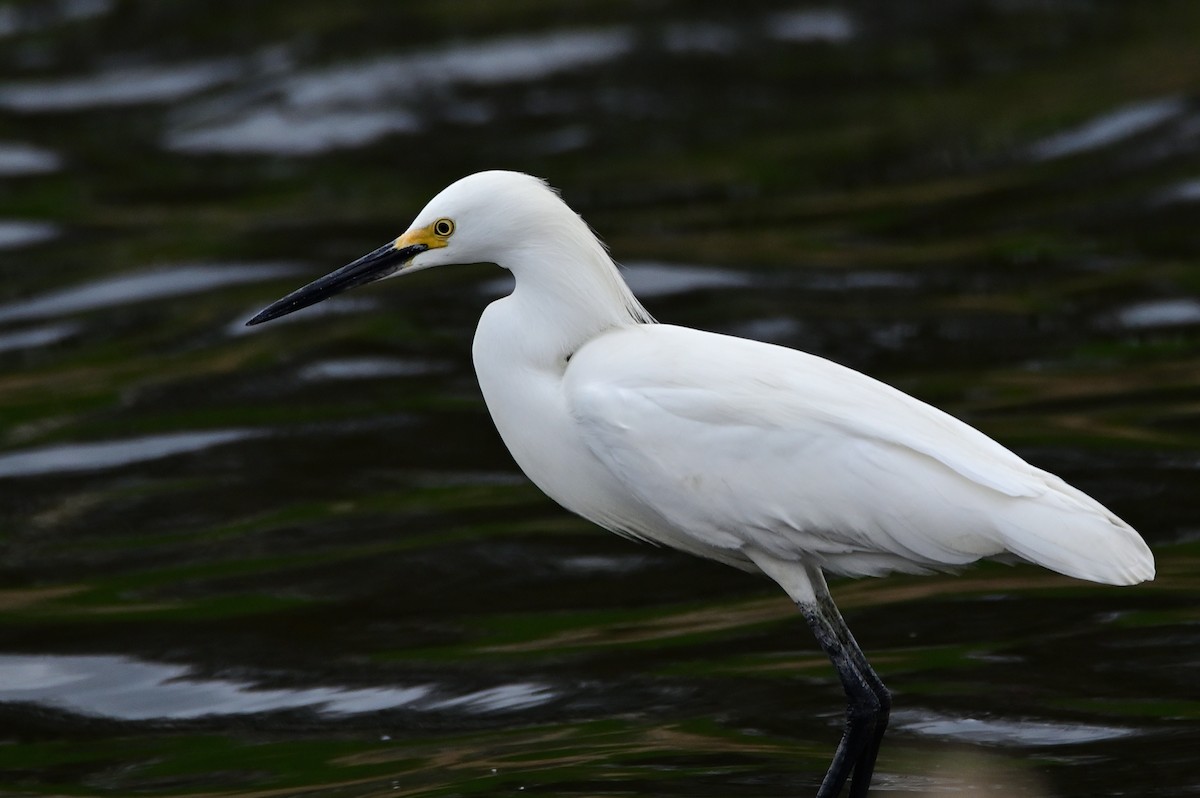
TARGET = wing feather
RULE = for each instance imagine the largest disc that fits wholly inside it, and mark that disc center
(737, 443)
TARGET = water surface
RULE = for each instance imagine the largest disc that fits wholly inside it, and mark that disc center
(295, 559)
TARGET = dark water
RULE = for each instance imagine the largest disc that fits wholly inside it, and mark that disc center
(297, 560)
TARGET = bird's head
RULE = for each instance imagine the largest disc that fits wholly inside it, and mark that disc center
(470, 221)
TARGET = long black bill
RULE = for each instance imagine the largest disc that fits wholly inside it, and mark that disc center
(370, 267)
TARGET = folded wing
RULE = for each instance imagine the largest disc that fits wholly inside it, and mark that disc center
(741, 444)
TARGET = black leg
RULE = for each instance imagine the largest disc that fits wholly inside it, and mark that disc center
(869, 702)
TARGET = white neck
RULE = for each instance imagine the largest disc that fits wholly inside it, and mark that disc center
(568, 290)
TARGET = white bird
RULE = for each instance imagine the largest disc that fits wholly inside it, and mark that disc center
(755, 455)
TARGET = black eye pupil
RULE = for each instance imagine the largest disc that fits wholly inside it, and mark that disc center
(443, 228)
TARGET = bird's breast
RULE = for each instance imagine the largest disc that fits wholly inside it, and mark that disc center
(522, 385)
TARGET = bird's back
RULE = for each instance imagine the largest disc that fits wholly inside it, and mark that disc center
(737, 444)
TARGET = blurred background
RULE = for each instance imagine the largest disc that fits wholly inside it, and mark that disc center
(297, 560)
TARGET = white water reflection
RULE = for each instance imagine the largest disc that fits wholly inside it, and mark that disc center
(1187, 191)
(368, 368)
(293, 132)
(831, 25)
(158, 83)
(1004, 731)
(651, 279)
(354, 104)
(1115, 126)
(1160, 313)
(33, 337)
(65, 458)
(602, 564)
(506, 697)
(496, 61)
(18, 158)
(16, 233)
(123, 688)
(139, 287)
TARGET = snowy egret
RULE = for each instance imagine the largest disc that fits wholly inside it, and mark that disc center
(755, 455)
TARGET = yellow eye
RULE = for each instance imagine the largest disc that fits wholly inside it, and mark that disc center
(442, 228)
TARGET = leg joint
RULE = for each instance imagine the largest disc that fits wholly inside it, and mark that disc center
(864, 708)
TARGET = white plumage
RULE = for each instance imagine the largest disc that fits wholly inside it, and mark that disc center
(755, 455)
(727, 448)
(796, 457)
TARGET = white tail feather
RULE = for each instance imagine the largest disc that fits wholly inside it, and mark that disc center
(1067, 531)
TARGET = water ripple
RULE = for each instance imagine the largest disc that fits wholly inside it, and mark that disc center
(292, 132)
(20, 233)
(18, 158)
(354, 104)
(157, 83)
(367, 368)
(128, 689)
(140, 287)
(1186, 191)
(1004, 731)
(1110, 128)
(64, 458)
(1174, 312)
(831, 25)
(33, 337)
